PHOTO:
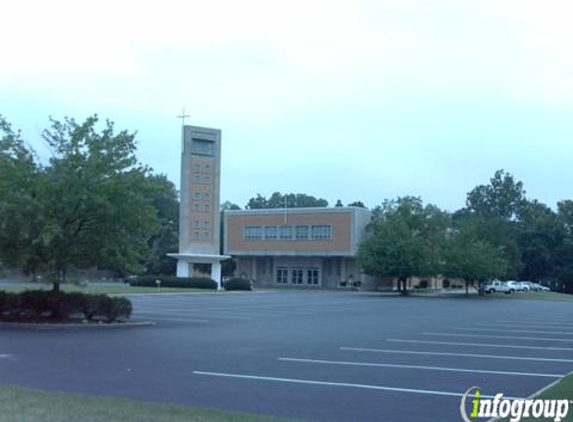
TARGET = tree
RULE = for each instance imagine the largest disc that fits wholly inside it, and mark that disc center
(91, 205)
(503, 197)
(406, 239)
(473, 260)
(496, 209)
(291, 200)
(564, 252)
(539, 236)
(164, 198)
(358, 204)
(19, 189)
(339, 203)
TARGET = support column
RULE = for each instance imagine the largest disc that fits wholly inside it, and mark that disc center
(183, 269)
(216, 273)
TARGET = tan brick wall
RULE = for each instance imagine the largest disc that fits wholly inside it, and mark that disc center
(340, 242)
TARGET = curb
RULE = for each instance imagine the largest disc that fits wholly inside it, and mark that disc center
(537, 393)
(65, 326)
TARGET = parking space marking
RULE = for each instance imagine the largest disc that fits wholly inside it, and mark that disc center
(453, 343)
(502, 330)
(494, 336)
(175, 314)
(334, 384)
(518, 325)
(4, 355)
(470, 355)
(422, 367)
(162, 318)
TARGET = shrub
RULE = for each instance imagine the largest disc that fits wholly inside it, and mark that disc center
(171, 281)
(237, 284)
(39, 305)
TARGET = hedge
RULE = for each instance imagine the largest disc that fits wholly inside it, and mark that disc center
(171, 281)
(40, 305)
(238, 284)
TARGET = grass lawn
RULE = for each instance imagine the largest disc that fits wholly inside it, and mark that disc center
(27, 405)
(551, 296)
(563, 390)
(105, 288)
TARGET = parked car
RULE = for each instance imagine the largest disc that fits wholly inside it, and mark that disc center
(544, 289)
(515, 285)
(499, 286)
(524, 285)
(534, 286)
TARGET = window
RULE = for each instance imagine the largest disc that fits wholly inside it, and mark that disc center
(296, 276)
(196, 196)
(206, 224)
(207, 168)
(206, 234)
(252, 232)
(271, 232)
(312, 276)
(282, 275)
(207, 178)
(197, 178)
(285, 232)
(206, 196)
(321, 232)
(197, 206)
(202, 147)
(301, 232)
(197, 168)
(196, 224)
(195, 235)
(206, 207)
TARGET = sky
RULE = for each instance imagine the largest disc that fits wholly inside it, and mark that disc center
(352, 100)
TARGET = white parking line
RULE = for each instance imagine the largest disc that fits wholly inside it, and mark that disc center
(452, 343)
(536, 325)
(494, 336)
(4, 355)
(332, 384)
(159, 318)
(498, 330)
(422, 367)
(469, 355)
(178, 314)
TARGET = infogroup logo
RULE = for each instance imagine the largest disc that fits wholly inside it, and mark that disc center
(499, 407)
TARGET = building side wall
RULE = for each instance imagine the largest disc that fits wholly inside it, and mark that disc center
(339, 244)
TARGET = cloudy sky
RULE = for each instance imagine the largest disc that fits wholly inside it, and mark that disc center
(357, 100)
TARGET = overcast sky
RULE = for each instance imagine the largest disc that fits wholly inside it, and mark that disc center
(357, 100)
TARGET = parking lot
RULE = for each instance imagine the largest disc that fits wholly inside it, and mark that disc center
(324, 356)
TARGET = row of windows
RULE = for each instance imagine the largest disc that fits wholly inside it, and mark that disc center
(205, 224)
(205, 168)
(298, 275)
(199, 178)
(205, 196)
(198, 206)
(317, 232)
(200, 234)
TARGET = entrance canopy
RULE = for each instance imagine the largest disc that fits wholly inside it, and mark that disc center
(185, 263)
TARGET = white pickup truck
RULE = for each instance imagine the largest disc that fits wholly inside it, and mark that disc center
(500, 286)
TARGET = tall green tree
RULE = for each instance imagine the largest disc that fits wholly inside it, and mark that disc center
(470, 258)
(406, 241)
(91, 203)
(164, 198)
(290, 200)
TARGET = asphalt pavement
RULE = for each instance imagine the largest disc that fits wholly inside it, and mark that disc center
(321, 356)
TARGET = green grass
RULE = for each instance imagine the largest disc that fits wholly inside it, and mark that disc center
(95, 288)
(28, 405)
(563, 390)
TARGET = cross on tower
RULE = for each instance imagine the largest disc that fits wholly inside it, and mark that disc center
(183, 116)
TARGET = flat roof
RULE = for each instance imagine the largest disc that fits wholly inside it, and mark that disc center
(298, 210)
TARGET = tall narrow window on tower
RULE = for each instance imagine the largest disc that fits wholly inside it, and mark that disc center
(202, 147)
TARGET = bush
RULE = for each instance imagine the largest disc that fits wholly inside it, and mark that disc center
(40, 305)
(172, 281)
(238, 284)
